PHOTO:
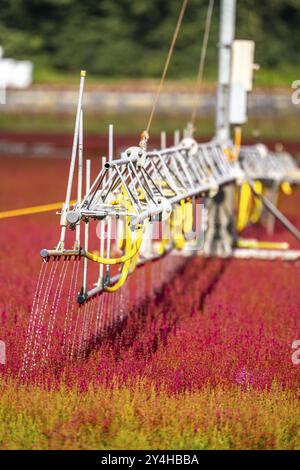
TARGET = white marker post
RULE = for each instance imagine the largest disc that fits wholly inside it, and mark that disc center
(86, 229)
(73, 161)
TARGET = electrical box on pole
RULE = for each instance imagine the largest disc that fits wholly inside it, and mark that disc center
(241, 81)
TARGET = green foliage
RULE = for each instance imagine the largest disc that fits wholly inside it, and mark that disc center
(130, 38)
(279, 127)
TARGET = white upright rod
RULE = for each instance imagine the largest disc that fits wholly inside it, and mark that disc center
(86, 229)
(176, 137)
(226, 37)
(75, 138)
(73, 155)
(163, 140)
(102, 235)
(110, 159)
(79, 184)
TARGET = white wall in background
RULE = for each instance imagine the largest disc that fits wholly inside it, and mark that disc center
(15, 73)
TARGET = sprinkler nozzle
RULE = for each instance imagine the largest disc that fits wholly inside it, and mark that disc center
(44, 253)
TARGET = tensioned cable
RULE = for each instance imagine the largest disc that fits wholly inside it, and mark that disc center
(210, 8)
(171, 49)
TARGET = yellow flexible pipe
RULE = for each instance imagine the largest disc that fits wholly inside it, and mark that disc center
(121, 281)
(257, 203)
(187, 209)
(131, 249)
(286, 188)
(125, 268)
(128, 266)
(232, 155)
(249, 208)
(112, 261)
(244, 206)
(176, 222)
(180, 223)
(252, 243)
(33, 210)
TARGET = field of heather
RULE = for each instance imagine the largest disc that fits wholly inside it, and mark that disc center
(195, 354)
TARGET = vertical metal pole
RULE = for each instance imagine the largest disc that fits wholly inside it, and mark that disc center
(163, 140)
(73, 158)
(79, 184)
(110, 159)
(86, 229)
(102, 235)
(75, 138)
(226, 37)
(176, 137)
(220, 234)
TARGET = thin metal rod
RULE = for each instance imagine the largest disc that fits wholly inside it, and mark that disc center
(276, 212)
(73, 157)
(170, 52)
(163, 140)
(86, 229)
(176, 137)
(79, 183)
(202, 59)
(110, 159)
(75, 139)
(102, 235)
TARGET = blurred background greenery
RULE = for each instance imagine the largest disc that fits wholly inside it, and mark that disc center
(121, 39)
(123, 45)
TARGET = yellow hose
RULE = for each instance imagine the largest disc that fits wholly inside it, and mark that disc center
(125, 268)
(233, 155)
(249, 208)
(112, 261)
(267, 245)
(180, 223)
(131, 249)
(187, 209)
(286, 188)
(122, 279)
(176, 222)
(165, 239)
(128, 266)
(33, 210)
(244, 207)
(257, 203)
(128, 247)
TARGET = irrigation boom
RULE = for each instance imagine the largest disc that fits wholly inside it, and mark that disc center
(142, 188)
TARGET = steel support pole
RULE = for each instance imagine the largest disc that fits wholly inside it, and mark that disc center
(226, 37)
(109, 222)
(79, 184)
(220, 235)
(73, 159)
(86, 230)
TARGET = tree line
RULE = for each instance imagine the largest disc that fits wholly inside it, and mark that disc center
(130, 38)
